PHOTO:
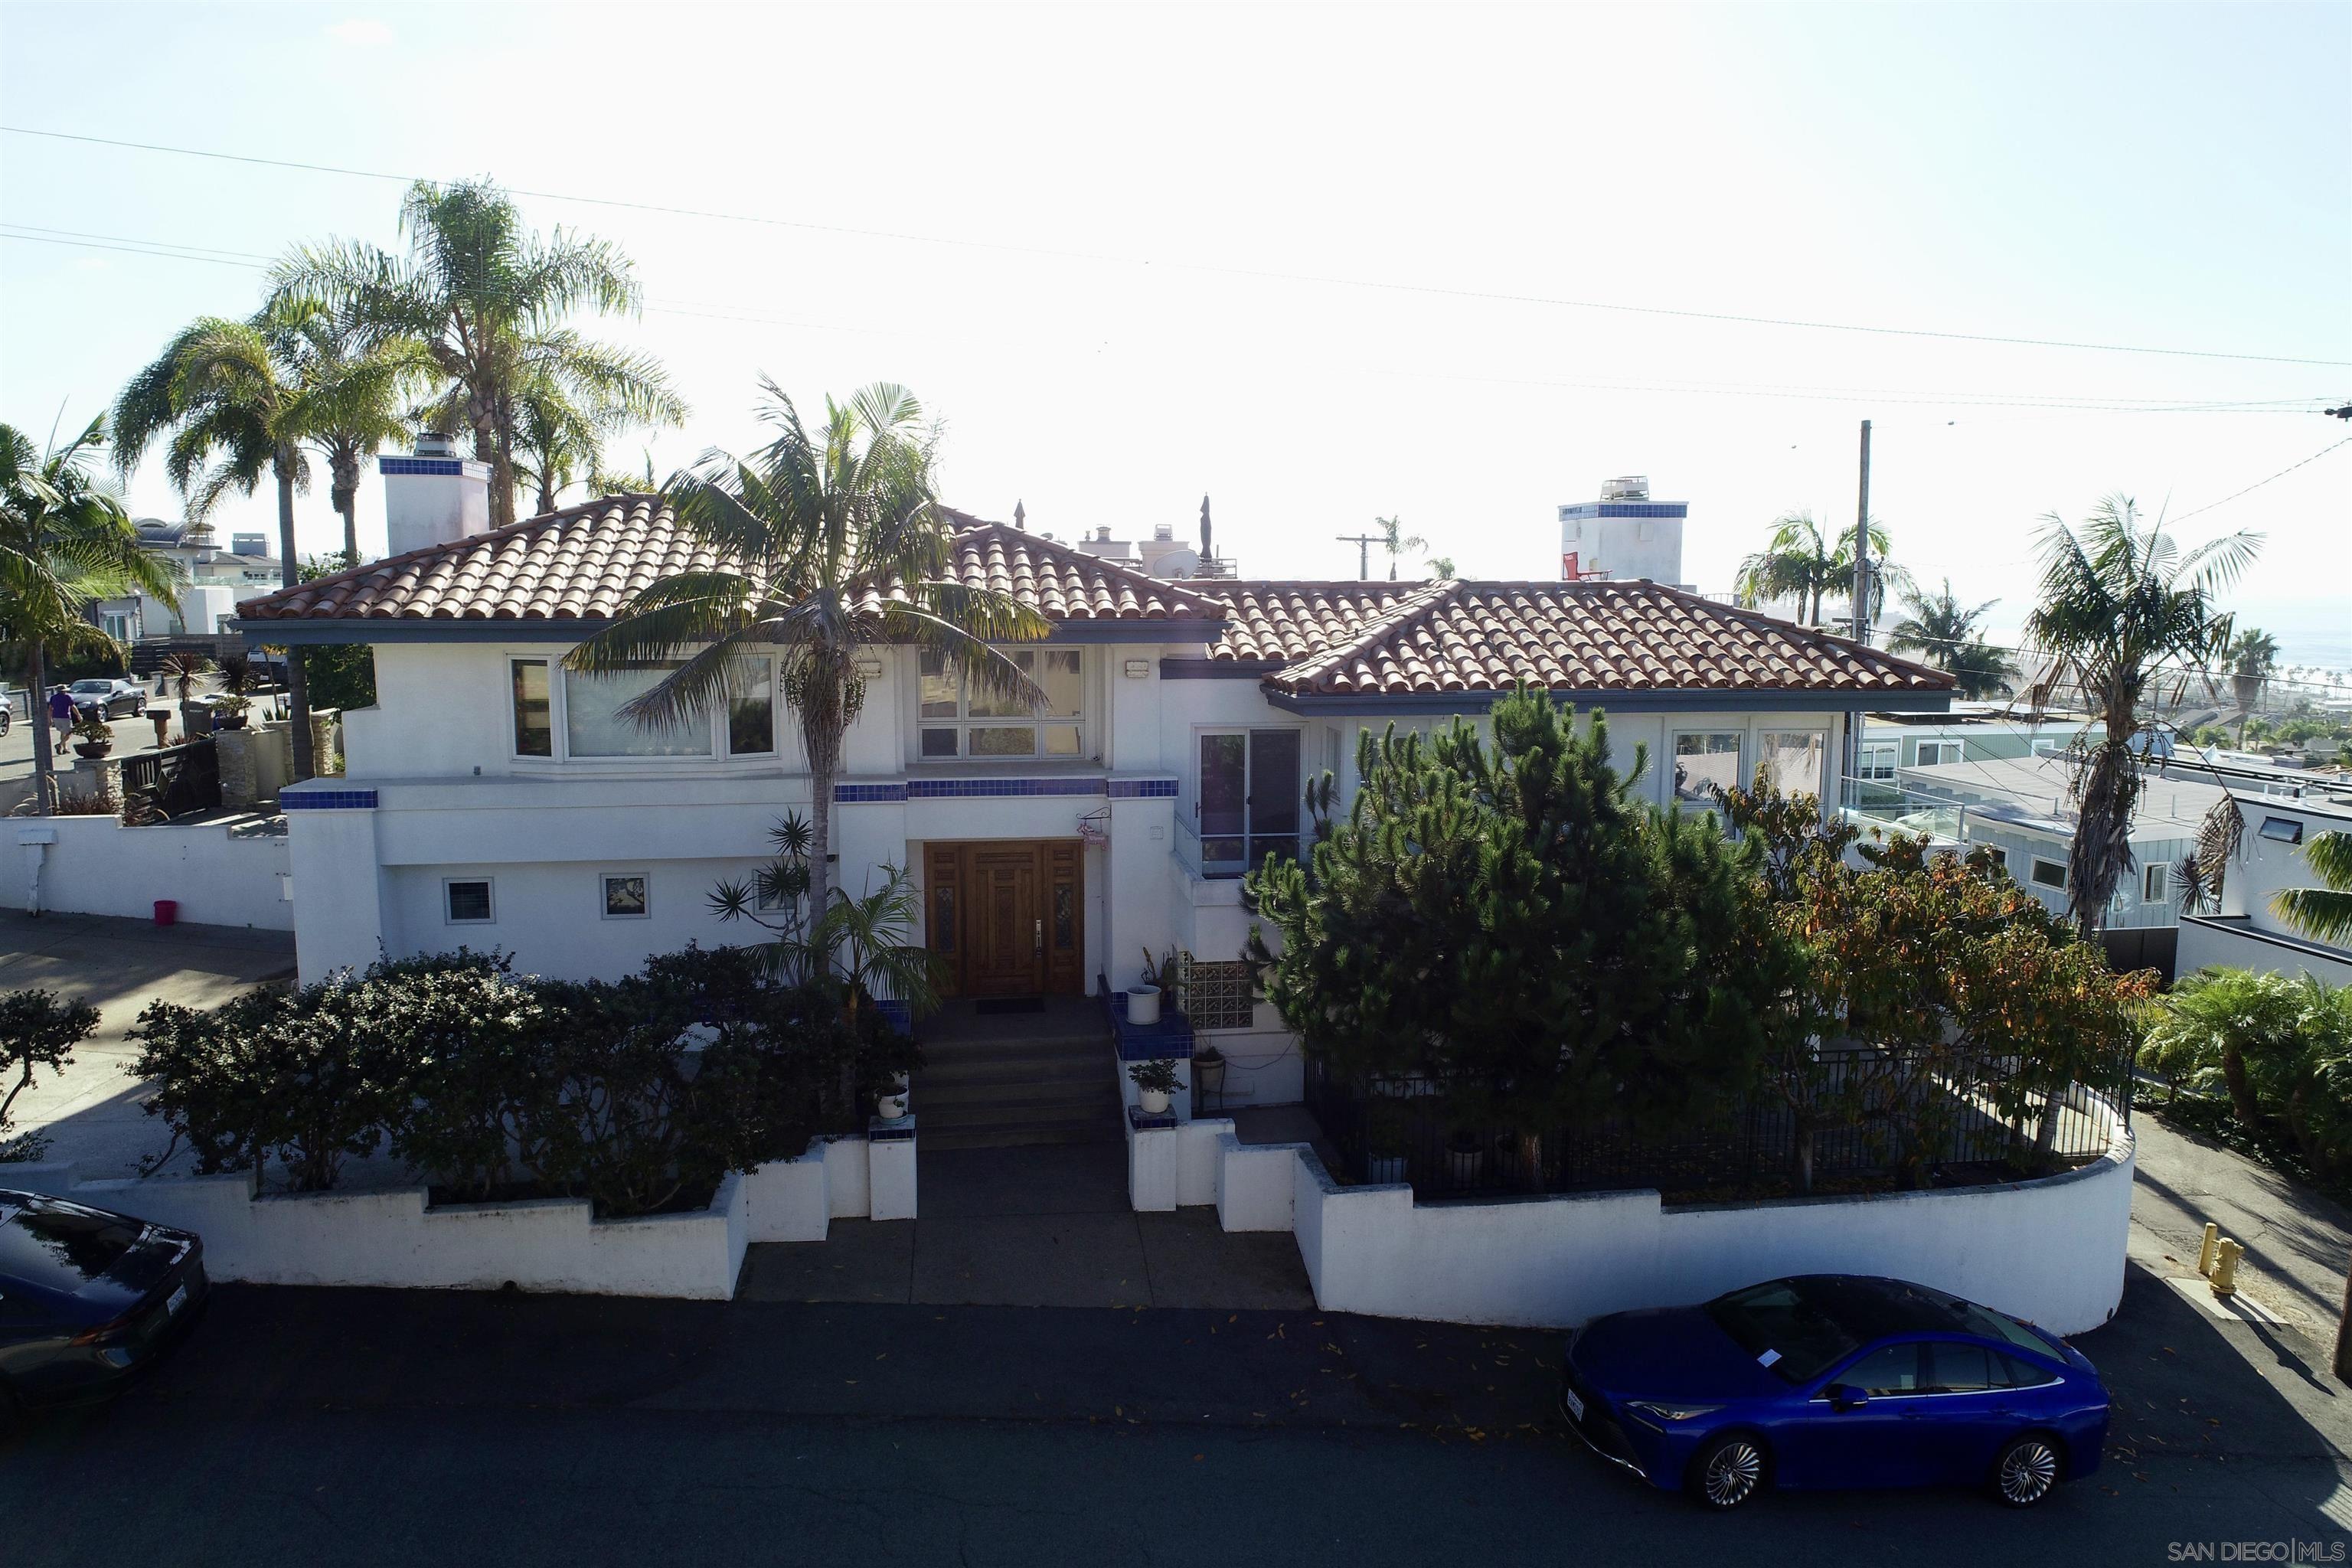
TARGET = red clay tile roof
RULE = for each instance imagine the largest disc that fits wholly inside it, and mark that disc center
(1589, 636)
(1274, 620)
(586, 561)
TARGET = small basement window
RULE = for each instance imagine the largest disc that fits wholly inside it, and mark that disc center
(466, 902)
(2282, 829)
(2049, 873)
(1217, 995)
(625, 897)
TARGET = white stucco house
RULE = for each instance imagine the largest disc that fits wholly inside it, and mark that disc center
(491, 798)
(2246, 932)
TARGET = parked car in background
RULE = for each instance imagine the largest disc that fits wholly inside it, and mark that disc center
(89, 1299)
(1829, 1381)
(112, 696)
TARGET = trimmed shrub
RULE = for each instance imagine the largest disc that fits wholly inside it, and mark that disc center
(37, 1029)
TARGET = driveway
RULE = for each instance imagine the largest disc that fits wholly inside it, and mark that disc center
(91, 1112)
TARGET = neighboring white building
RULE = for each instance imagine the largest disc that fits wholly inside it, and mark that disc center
(492, 798)
(213, 581)
(2246, 932)
(1625, 536)
(1970, 732)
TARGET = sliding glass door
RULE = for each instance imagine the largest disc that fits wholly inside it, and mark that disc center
(1247, 803)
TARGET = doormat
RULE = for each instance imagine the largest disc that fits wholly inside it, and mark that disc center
(993, 1005)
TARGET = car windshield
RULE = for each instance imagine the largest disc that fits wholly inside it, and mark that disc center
(60, 1247)
(93, 687)
(1784, 1328)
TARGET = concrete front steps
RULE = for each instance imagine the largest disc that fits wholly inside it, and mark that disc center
(1055, 1087)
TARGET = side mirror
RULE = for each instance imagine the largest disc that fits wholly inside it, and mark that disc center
(1846, 1396)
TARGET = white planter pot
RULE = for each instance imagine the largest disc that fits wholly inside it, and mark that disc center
(1143, 1004)
(1154, 1101)
(891, 1107)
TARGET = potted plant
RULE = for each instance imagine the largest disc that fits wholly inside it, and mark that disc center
(1465, 1157)
(1143, 996)
(228, 710)
(1208, 1075)
(180, 673)
(1154, 1082)
(891, 1106)
(92, 739)
(1386, 1142)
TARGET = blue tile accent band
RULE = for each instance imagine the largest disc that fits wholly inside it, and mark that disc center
(1170, 1038)
(966, 789)
(1143, 789)
(420, 466)
(1142, 1124)
(847, 794)
(325, 800)
(896, 1014)
(880, 1132)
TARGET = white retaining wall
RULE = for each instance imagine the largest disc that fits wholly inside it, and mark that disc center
(549, 1244)
(2051, 1249)
(94, 866)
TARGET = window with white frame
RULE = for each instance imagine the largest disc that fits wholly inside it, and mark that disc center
(1878, 759)
(956, 718)
(2048, 745)
(1935, 753)
(2155, 883)
(1704, 762)
(1999, 856)
(558, 713)
(625, 896)
(2049, 873)
(466, 902)
(1793, 759)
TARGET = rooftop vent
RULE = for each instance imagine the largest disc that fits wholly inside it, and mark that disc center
(435, 444)
(1631, 487)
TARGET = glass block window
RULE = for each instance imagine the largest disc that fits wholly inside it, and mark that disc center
(1218, 996)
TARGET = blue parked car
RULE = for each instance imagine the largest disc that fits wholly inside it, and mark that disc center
(1834, 1380)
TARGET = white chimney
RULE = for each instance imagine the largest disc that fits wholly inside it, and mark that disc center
(435, 497)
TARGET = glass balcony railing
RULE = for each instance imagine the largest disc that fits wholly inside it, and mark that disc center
(1227, 855)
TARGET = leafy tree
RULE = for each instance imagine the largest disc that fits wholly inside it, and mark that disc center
(2323, 913)
(1511, 923)
(2117, 600)
(342, 676)
(1801, 564)
(37, 1029)
(821, 544)
(1938, 626)
(65, 543)
(487, 300)
(248, 400)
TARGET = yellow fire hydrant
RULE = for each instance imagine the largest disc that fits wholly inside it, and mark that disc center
(2225, 1267)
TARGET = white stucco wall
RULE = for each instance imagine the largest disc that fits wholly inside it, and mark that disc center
(94, 866)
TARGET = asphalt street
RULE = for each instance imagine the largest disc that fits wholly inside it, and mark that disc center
(363, 1428)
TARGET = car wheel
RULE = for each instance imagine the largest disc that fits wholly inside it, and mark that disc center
(1730, 1470)
(2027, 1471)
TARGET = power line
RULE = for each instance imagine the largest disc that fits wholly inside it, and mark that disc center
(727, 311)
(1332, 280)
(2260, 483)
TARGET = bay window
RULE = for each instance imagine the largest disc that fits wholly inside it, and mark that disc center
(548, 701)
(955, 718)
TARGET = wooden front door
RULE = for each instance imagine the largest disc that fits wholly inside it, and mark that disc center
(1007, 917)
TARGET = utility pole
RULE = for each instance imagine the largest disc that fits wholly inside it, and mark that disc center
(1862, 547)
(1363, 543)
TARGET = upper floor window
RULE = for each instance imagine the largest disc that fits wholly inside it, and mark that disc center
(1793, 759)
(955, 718)
(585, 711)
(1936, 754)
(1878, 759)
(1704, 762)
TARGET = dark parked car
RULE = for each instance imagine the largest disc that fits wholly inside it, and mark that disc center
(88, 1299)
(112, 697)
(1832, 1379)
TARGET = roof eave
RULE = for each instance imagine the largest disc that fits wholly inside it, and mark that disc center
(313, 630)
(1681, 699)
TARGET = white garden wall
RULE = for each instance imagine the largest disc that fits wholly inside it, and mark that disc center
(2051, 1250)
(394, 1239)
(94, 866)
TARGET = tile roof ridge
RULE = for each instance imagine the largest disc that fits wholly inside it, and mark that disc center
(351, 574)
(1174, 590)
(1393, 619)
(1845, 645)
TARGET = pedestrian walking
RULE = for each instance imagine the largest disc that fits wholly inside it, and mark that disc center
(61, 717)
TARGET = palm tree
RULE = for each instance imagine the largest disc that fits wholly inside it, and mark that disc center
(1441, 566)
(560, 440)
(65, 543)
(1801, 565)
(825, 544)
(2323, 913)
(2117, 600)
(1939, 628)
(2252, 656)
(1393, 539)
(486, 299)
(245, 400)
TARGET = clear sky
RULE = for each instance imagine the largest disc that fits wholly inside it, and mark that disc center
(1308, 260)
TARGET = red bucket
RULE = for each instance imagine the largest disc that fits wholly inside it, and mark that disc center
(167, 911)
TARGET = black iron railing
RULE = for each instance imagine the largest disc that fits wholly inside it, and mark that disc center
(1873, 1119)
(176, 782)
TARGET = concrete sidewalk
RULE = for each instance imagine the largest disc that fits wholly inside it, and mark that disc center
(1043, 1226)
(91, 1112)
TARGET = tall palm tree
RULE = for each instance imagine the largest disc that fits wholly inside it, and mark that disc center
(65, 543)
(1393, 539)
(486, 299)
(2323, 913)
(1940, 628)
(1801, 564)
(248, 400)
(560, 440)
(2117, 600)
(825, 542)
(2253, 655)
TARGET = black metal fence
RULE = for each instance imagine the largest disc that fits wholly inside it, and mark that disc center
(177, 781)
(1872, 1119)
